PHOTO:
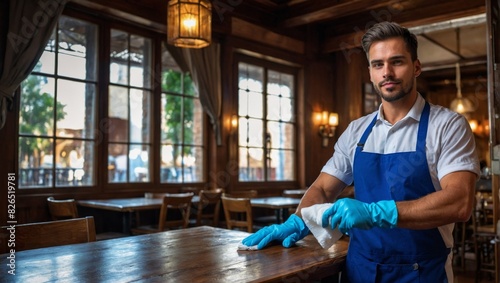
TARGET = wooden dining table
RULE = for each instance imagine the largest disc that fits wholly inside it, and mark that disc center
(280, 205)
(199, 254)
(129, 205)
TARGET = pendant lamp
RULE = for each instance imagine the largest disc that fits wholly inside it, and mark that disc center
(189, 23)
(461, 104)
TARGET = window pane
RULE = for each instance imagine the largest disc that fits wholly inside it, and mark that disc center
(251, 164)
(76, 100)
(47, 61)
(250, 77)
(118, 72)
(280, 84)
(282, 135)
(118, 114)
(172, 129)
(74, 162)
(35, 162)
(140, 61)
(279, 108)
(77, 49)
(168, 172)
(139, 163)
(117, 163)
(189, 88)
(192, 164)
(172, 81)
(197, 164)
(139, 115)
(250, 132)
(282, 167)
(250, 103)
(37, 106)
(198, 123)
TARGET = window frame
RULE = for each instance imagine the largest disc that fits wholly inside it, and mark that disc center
(105, 23)
(282, 68)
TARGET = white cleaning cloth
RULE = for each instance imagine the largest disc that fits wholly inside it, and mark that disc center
(312, 217)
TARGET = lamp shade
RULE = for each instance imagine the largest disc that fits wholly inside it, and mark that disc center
(462, 105)
(189, 23)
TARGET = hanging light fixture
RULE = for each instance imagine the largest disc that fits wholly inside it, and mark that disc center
(460, 104)
(189, 23)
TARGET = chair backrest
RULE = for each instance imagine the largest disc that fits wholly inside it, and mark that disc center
(180, 202)
(62, 209)
(47, 234)
(242, 194)
(209, 206)
(238, 212)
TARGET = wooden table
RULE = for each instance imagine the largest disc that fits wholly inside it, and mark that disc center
(124, 205)
(128, 205)
(294, 193)
(279, 204)
(200, 254)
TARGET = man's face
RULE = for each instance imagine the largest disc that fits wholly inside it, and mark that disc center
(392, 71)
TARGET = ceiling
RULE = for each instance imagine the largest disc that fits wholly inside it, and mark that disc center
(344, 21)
(339, 24)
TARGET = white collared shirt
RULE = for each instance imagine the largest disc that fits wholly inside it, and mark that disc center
(450, 144)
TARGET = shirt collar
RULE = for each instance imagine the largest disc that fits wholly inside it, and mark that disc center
(414, 113)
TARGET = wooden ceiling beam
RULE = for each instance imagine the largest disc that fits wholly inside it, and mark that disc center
(307, 13)
(433, 14)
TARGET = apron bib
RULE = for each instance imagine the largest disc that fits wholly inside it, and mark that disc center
(394, 255)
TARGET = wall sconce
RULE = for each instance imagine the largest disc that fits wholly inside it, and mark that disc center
(328, 123)
(233, 123)
(189, 23)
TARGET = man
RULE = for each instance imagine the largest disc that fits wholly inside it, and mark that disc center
(413, 165)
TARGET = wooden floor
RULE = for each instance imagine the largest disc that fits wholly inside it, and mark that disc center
(469, 274)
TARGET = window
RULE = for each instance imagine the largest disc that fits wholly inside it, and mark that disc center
(129, 108)
(266, 139)
(182, 151)
(57, 116)
(61, 138)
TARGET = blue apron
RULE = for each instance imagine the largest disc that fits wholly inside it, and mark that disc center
(394, 255)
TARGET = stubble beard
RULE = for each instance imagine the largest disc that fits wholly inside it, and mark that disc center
(396, 96)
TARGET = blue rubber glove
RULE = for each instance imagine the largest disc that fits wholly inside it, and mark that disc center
(293, 230)
(349, 213)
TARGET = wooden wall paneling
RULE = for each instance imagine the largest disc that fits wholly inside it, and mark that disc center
(319, 95)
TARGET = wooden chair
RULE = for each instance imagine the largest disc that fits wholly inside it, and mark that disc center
(48, 234)
(484, 246)
(62, 209)
(67, 209)
(208, 207)
(238, 212)
(150, 196)
(171, 202)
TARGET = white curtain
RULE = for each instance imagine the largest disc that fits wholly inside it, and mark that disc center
(30, 26)
(204, 66)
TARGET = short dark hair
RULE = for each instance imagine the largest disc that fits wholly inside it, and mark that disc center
(386, 30)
